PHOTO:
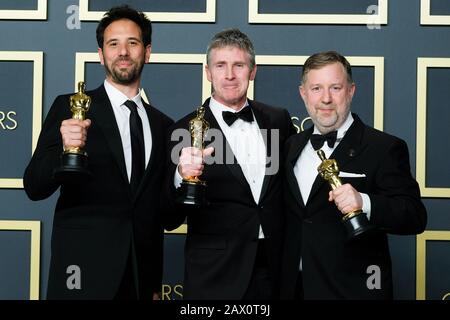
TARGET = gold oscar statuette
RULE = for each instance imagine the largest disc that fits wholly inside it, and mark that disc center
(74, 160)
(193, 190)
(355, 222)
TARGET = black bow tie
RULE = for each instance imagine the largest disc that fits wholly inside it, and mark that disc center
(317, 140)
(230, 117)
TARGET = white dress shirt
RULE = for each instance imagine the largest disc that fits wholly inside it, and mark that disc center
(122, 114)
(246, 142)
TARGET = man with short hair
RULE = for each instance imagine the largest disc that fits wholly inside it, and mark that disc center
(108, 227)
(233, 242)
(319, 261)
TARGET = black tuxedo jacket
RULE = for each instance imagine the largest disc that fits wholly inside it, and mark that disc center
(222, 237)
(333, 268)
(98, 221)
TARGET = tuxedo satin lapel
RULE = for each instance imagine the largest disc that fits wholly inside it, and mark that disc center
(351, 145)
(234, 167)
(319, 182)
(262, 118)
(102, 115)
(294, 152)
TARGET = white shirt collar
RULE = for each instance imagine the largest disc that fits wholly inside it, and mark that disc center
(218, 107)
(343, 129)
(117, 98)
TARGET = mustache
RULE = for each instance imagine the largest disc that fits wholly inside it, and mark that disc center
(120, 59)
(327, 107)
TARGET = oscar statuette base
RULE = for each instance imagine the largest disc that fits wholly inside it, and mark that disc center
(192, 193)
(357, 226)
(73, 169)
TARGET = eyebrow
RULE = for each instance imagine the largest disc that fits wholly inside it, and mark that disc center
(232, 62)
(321, 84)
(116, 39)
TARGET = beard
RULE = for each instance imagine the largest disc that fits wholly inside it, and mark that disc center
(125, 75)
(332, 121)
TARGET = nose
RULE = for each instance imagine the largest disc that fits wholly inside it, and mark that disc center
(326, 97)
(229, 73)
(123, 50)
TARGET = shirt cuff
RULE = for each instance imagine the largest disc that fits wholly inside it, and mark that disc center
(366, 204)
(177, 179)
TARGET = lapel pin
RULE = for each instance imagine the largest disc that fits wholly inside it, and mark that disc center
(351, 152)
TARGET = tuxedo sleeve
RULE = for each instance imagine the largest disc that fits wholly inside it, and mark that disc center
(38, 177)
(174, 214)
(396, 204)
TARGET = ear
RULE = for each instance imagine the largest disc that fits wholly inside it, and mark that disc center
(351, 90)
(208, 73)
(253, 73)
(100, 54)
(302, 91)
(148, 51)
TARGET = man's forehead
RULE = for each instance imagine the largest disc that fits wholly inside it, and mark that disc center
(328, 72)
(227, 52)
